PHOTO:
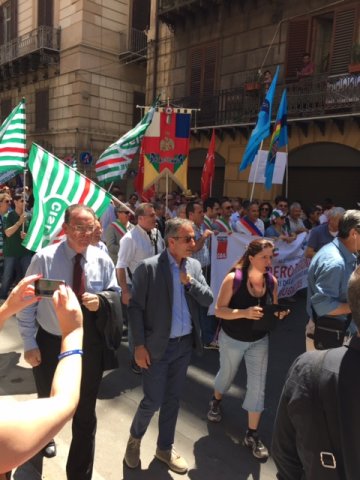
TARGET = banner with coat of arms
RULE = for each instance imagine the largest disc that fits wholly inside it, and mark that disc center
(165, 146)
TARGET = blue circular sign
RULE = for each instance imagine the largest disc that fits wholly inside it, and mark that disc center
(86, 158)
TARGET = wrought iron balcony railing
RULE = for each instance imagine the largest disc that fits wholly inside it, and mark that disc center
(166, 5)
(173, 11)
(315, 97)
(133, 46)
(43, 38)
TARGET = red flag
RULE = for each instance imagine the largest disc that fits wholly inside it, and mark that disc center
(147, 195)
(208, 172)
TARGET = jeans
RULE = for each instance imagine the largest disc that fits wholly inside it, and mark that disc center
(208, 324)
(163, 383)
(256, 359)
(14, 269)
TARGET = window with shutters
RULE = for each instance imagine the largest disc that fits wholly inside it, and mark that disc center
(343, 38)
(141, 14)
(42, 110)
(45, 12)
(202, 80)
(8, 21)
(5, 107)
(323, 29)
(203, 68)
(297, 45)
(328, 37)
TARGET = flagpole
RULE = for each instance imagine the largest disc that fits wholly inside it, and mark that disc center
(166, 191)
(287, 172)
(256, 169)
(24, 204)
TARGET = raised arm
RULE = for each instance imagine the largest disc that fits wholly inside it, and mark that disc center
(28, 426)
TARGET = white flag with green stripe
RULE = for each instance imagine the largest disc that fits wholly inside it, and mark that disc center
(56, 186)
(114, 162)
(13, 151)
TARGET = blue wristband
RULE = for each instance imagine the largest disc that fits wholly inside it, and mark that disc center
(69, 352)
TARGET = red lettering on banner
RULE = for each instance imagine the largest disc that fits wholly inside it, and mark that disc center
(222, 244)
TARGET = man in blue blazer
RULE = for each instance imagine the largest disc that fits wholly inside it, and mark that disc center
(164, 312)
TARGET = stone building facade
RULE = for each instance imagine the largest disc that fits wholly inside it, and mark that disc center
(81, 66)
(213, 55)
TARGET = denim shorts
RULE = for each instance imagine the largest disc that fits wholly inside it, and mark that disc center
(256, 360)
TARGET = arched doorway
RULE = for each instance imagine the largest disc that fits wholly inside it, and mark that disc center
(197, 158)
(321, 170)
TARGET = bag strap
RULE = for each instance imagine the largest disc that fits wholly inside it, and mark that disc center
(237, 280)
(329, 461)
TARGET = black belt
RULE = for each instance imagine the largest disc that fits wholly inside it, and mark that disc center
(179, 339)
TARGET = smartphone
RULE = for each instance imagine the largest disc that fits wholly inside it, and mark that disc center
(45, 287)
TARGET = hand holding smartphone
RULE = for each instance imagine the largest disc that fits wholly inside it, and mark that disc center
(45, 287)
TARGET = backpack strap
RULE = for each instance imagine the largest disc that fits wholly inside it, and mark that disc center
(237, 280)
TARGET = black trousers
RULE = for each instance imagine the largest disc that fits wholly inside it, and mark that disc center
(81, 454)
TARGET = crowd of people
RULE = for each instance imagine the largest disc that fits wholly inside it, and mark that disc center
(149, 265)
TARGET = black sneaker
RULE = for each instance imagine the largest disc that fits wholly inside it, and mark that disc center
(257, 447)
(214, 414)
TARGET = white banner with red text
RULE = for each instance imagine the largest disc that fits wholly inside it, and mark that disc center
(289, 265)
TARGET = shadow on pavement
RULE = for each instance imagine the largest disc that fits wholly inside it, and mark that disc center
(31, 470)
(156, 470)
(15, 380)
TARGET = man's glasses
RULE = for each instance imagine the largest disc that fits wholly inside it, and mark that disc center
(265, 208)
(6, 201)
(126, 212)
(82, 228)
(187, 238)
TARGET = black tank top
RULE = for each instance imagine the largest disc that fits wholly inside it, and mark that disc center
(242, 329)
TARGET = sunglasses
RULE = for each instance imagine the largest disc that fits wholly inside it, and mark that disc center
(265, 208)
(187, 239)
(126, 212)
(6, 201)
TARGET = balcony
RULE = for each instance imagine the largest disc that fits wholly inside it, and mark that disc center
(317, 98)
(133, 46)
(42, 39)
(26, 53)
(173, 12)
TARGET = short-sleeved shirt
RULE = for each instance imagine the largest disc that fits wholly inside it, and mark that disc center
(328, 278)
(319, 236)
(12, 245)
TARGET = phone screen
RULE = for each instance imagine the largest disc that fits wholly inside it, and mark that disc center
(45, 287)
